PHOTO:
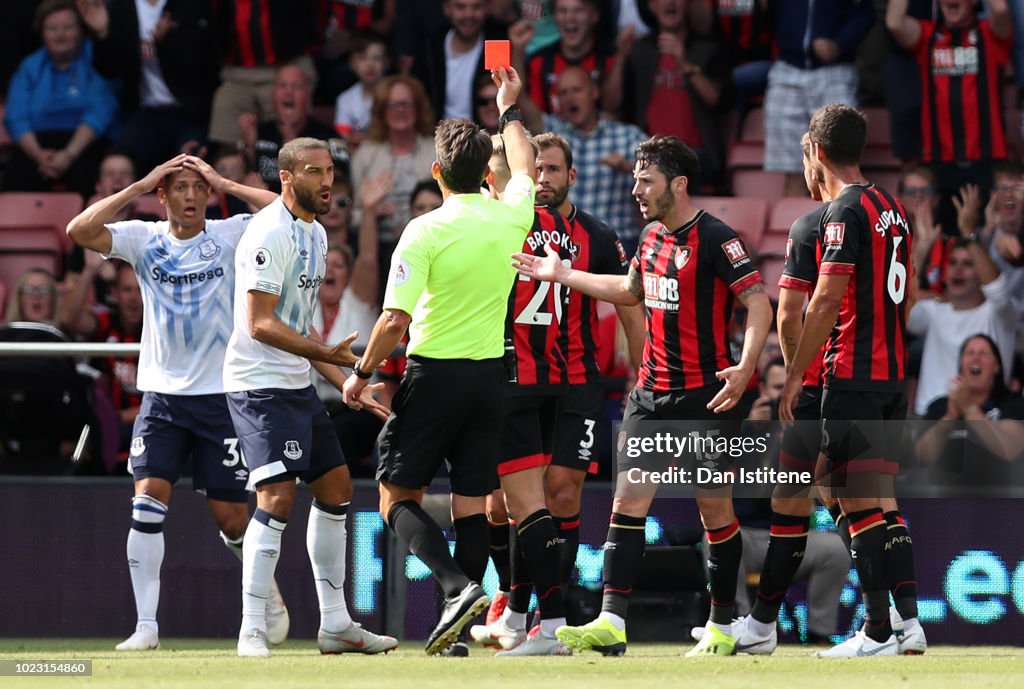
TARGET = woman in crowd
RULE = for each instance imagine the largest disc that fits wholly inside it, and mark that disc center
(400, 139)
(59, 110)
(34, 299)
(977, 431)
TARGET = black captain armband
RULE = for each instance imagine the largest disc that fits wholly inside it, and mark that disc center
(512, 114)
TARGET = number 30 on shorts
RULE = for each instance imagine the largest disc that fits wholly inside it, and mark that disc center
(235, 455)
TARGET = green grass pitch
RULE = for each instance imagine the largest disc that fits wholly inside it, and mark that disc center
(212, 663)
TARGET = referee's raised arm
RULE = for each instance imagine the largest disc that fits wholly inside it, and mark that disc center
(518, 151)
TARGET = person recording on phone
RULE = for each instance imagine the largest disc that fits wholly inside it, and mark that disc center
(773, 379)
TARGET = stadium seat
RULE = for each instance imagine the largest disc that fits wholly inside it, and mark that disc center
(773, 244)
(782, 215)
(752, 130)
(880, 157)
(55, 208)
(771, 271)
(758, 184)
(746, 216)
(788, 209)
(14, 264)
(878, 127)
(43, 401)
(887, 179)
(745, 155)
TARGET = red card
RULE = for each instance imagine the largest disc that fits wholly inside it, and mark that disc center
(497, 54)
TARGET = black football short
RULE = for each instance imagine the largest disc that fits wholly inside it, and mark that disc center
(856, 435)
(576, 433)
(801, 442)
(445, 409)
(646, 409)
(532, 412)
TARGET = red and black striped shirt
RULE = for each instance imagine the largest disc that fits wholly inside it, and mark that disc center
(536, 309)
(803, 254)
(746, 26)
(598, 251)
(690, 277)
(961, 109)
(252, 44)
(865, 234)
(354, 15)
(545, 66)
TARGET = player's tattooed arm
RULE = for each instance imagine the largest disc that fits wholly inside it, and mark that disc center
(746, 294)
(635, 281)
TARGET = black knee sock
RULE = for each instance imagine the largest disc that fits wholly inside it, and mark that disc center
(786, 546)
(539, 542)
(623, 552)
(472, 539)
(569, 545)
(500, 555)
(725, 550)
(842, 523)
(868, 535)
(521, 588)
(423, 537)
(899, 565)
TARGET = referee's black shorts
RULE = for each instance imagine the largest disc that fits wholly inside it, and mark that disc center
(445, 409)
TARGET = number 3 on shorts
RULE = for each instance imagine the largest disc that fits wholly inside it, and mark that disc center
(234, 453)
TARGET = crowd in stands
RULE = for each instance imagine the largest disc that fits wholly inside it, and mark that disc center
(97, 92)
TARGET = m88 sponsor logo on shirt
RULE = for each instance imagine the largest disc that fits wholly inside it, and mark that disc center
(955, 61)
(661, 293)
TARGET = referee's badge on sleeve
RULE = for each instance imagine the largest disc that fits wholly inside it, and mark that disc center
(402, 272)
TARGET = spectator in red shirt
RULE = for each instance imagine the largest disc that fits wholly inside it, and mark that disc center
(962, 58)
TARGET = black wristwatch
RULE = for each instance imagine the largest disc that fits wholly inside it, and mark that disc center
(512, 114)
(360, 374)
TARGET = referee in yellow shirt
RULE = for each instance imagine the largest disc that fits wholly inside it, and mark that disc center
(451, 275)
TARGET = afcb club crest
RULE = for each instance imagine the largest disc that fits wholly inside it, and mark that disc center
(683, 256)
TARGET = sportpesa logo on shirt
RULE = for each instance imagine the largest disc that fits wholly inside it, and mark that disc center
(306, 282)
(164, 277)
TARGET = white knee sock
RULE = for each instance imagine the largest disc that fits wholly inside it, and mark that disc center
(326, 539)
(145, 556)
(260, 551)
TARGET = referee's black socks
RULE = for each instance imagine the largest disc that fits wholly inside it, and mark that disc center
(472, 542)
(424, 538)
